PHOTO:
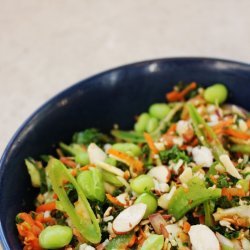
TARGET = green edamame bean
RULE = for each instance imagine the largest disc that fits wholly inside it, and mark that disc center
(111, 161)
(159, 110)
(142, 183)
(129, 148)
(216, 93)
(82, 158)
(148, 200)
(142, 122)
(53, 237)
(152, 124)
(154, 241)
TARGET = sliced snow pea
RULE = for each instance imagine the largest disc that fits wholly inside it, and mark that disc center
(80, 213)
(153, 242)
(119, 242)
(129, 136)
(129, 148)
(111, 179)
(184, 199)
(240, 148)
(91, 182)
(203, 133)
(77, 151)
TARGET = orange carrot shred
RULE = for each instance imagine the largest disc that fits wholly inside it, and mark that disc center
(132, 241)
(186, 227)
(114, 200)
(135, 164)
(248, 123)
(172, 129)
(175, 96)
(68, 162)
(27, 218)
(237, 134)
(150, 143)
(46, 207)
(74, 172)
(230, 192)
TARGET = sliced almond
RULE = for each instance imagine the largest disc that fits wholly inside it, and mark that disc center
(160, 173)
(230, 168)
(96, 153)
(203, 238)
(129, 218)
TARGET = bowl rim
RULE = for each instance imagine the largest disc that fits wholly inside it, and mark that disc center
(72, 87)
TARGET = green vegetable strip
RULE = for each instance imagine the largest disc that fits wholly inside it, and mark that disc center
(185, 199)
(208, 214)
(129, 136)
(73, 149)
(241, 148)
(82, 216)
(167, 119)
(200, 126)
(119, 242)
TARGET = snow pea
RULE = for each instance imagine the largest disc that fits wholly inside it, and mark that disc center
(80, 213)
(119, 242)
(186, 198)
(77, 151)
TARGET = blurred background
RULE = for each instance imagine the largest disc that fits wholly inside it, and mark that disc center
(47, 45)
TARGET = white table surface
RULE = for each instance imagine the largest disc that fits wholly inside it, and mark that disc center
(47, 45)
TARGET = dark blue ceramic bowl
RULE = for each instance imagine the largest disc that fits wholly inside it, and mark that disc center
(114, 96)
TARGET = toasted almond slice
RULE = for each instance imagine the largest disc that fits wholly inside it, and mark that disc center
(95, 153)
(203, 238)
(160, 173)
(129, 218)
(230, 168)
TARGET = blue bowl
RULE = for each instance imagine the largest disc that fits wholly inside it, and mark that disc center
(114, 96)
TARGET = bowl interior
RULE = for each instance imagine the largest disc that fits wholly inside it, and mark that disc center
(115, 96)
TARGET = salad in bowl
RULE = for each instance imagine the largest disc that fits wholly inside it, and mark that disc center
(178, 180)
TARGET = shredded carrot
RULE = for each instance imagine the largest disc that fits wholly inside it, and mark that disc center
(168, 140)
(175, 96)
(186, 227)
(84, 168)
(223, 123)
(132, 241)
(230, 192)
(237, 134)
(114, 200)
(248, 123)
(27, 218)
(74, 172)
(183, 237)
(135, 164)
(141, 238)
(126, 175)
(172, 129)
(68, 162)
(46, 207)
(195, 142)
(29, 230)
(150, 143)
(55, 196)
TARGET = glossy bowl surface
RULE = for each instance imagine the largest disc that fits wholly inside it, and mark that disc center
(114, 96)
